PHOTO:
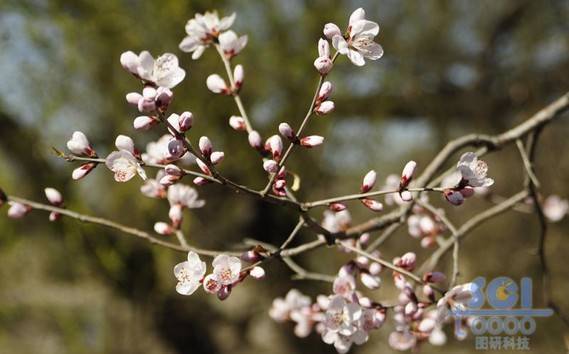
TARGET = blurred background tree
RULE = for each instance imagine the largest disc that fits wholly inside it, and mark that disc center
(450, 68)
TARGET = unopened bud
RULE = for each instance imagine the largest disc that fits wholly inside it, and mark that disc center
(53, 196)
(205, 146)
(255, 140)
(216, 84)
(323, 48)
(336, 207)
(251, 256)
(186, 121)
(238, 76)
(324, 108)
(311, 141)
(368, 181)
(163, 97)
(237, 123)
(271, 166)
(83, 170)
(370, 281)
(130, 62)
(453, 197)
(146, 105)
(406, 196)
(286, 131)
(149, 92)
(203, 167)
(18, 210)
(54, 216)
(123, 142)
(371, 204)
(325, 91)
(168, 180)
(144, 122)
(175, 214)
(224, 292)
(434, 277)
(275, 145)
(163, 228)
(257, 273)
(216, 157)
(407, 174)
(331, 30)
(173, 170)
(200, 181)
(79, 145)
(176, 148)
(133, 98)
(323, 64)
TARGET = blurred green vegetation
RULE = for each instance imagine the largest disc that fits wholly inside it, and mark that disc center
(450, 68)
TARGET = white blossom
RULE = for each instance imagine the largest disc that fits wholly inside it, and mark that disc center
(124, 165)
(293, 301)
(186, 196)
(79, 144)
(226, 269)
(474, 171)
(164, 71)
(202, 30)
(359, 43)
(189, 274)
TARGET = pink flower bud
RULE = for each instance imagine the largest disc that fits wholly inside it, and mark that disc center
(79, 145)
(146, 105)
(454, 197)
(164, 97)
(364, 239)
(331, 30)
(211, 285)
(163, 228)
(216, 157)
(123, 142)
(238, 76)
(324, 108)
(176, 148)
(203, 167)
(18, 210)
(144, 122)
(286, 131)
(371, 204)
(255, 140)
(407, 261)
(311, 141)
(174, 123)
(186, 121)
(375, 268)
(275, 145)
(54, 216)
(407, 174)
(224, 292)
(323, 48)
(53, 196)
(237, 123)
(83, 170)
(282, 173)
(173, 170)
(257, 273)
(251, 256)
(168, 180)
(133, 98)
(336, 207)
(467, 192)
(406, 196)
(217, 85)
(205, 146)
(370, 281)
(130, 62)
(323, 64)
(429, 292)
(149, 92)
(271, 166)
(434, 277)
(325, 91)
(200, 181)
(368, 182)
(280, 184)
(175, 214)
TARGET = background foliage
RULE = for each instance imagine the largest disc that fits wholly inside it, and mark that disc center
(450, 68)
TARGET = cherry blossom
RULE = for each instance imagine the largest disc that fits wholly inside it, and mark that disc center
(202, 30)
(226, 269)
(474, 171)
(358, 43)
(124, 165)
(342, 324)
(293, 301)
(189, 274)
(164, 71)
(79, 145)
(186, 196)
